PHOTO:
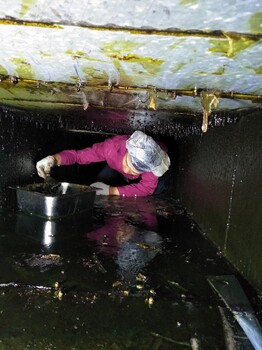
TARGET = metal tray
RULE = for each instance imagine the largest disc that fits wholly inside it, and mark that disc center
(57, 201)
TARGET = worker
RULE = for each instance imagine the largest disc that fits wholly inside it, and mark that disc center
(135, 164)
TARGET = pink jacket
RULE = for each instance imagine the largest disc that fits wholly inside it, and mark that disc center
(112, 151)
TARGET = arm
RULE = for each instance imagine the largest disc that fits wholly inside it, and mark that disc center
(113, 191)
(93, 154)
(57, 159)
(145, 187)
(96, 153)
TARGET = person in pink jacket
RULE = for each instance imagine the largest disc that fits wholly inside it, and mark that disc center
(134, 164)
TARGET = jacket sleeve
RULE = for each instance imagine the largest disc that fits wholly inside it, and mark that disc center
(95, 153)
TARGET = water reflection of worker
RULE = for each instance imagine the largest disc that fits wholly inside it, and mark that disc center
(135, 164)
(132, 247)
(129, 236)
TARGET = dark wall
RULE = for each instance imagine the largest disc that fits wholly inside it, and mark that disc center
(216, 175)
(218, 179)
(27, 137)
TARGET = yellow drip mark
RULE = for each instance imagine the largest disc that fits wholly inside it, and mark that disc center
(208, 99)
(152, 100)
(230, 51)
(234, 44)
(29, 24)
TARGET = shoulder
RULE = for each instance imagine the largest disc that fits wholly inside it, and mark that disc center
(117, 141)
(119, 138)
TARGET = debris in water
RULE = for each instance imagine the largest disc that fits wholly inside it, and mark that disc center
(9, 284)
(20, 285)
(175, 284)
(54, 257)
(56, 285)
(150, 301)
(139, 286)
(126, 293)
(144, 246)
(116, 284)
(44, 261)
(98, 264)
(157, 335)
(58, 294)
(140, 277)
(195, 343)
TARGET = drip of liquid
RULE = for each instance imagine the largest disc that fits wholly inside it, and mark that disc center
(230, 207)
(207, 100)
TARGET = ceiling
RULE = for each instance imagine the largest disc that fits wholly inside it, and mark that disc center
(179, 56)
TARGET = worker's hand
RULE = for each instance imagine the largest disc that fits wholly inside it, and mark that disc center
(44, 166)
(101, 188)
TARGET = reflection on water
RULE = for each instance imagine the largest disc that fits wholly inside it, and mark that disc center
(131, 247)
(131, 275)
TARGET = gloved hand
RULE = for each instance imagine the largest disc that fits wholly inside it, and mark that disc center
(44, 166)
(101, 188)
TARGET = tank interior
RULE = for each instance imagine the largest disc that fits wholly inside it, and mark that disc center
(181, 270)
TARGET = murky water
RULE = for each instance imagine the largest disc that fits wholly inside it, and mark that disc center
(129, 275)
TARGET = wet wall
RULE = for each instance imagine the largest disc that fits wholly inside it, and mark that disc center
(25, 138)
(218, 180)
(216, 175)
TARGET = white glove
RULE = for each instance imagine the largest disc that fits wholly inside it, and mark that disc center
(44, 166)
(101, 188)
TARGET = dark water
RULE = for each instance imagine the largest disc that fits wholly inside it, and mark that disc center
(129, 275)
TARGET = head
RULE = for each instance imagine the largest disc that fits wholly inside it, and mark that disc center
(128, 167)
(145, 155)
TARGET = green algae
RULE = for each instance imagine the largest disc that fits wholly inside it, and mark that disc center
(26, 5)
(188, 2)
(255, 23)
(3, 71)
(122, 51)
(75, 53)
(176, 44)
(219, 71)
(231, 46)
(23, 68)
(178, 67)
(258, 70)
(150, 65)
(120, 46)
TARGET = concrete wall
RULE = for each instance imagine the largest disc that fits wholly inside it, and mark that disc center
(218, 179)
